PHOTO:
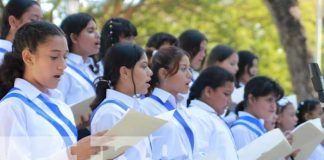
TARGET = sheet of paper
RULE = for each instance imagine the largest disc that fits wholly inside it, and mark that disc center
(82, 109)
(130, 130)
(272, 145)
(306, 137)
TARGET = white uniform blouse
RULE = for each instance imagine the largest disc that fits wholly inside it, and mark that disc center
(24, 134)
(77, 82)
(318, 153)
(244, 135)
(212, 135)
(170, 141)
(109, 114)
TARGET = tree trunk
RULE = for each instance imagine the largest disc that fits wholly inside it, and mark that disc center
(285, 14)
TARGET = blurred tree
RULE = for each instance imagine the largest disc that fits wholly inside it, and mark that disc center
(286, 16)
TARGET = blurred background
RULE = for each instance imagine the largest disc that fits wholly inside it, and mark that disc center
(242, 24)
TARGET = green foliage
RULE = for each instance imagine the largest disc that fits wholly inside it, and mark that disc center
(242, 24)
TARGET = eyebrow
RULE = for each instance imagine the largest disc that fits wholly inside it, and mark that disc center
(58, 51)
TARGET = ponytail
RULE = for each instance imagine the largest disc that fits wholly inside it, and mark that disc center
(12, 68)
(240, 107)
(101, 90)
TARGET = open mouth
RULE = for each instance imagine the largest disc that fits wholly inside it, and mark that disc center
(57, 76)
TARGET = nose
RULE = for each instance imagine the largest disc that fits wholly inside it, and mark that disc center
(229, 100)
(150, 73)
(189, 73)
(97, 34)
(62, 64)
(236, 68)
(295, 118)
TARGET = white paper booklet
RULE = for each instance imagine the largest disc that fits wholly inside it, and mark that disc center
(306, 137)
(82, 109)
(271, 146)
(130, 130)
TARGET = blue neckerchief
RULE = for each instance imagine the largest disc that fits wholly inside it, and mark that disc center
(252, 120)
(2, 50)
(118, 103)
(40, 112)
(82, 75)
(179, 118)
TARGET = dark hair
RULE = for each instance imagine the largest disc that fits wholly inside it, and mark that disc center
(245, 59)
(219, 53)
(258, 87)
(304, 107)
(121, 54)
(15, 8)
(167, 58)
(30, 36)
(213, 77)
(190, 41)
(157, 40)
(112, 30)
(74, 24)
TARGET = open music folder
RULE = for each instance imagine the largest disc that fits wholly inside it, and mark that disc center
(271, 146)
(130, 130)
(306, 137)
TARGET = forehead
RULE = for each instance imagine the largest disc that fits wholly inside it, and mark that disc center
(54, 42)
(184, 60)
(34, 10)
(203, 44)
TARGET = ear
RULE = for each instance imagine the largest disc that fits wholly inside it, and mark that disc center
(207, 91)
(251, 98)
(28, 57)
(13, 22)
(246, 69)
(124, 72)
(162, 73)
(74, 37)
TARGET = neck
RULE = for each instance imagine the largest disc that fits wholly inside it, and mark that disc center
(124, 89)
(80, 53)
(170, 91)
(244, 79)
(251, 111)
(10, 37)
(35, 83)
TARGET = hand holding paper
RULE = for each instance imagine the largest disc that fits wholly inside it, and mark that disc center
(130, 130)
(82, 109)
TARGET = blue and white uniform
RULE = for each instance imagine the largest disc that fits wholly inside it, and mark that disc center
(246, 129)
(35, 125)
(109, 114)
(212, 135)
(173, 140)
(77, 82)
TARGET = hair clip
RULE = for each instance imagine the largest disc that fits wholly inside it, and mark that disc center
(102, 80)
(283, 102)
(154, 52)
